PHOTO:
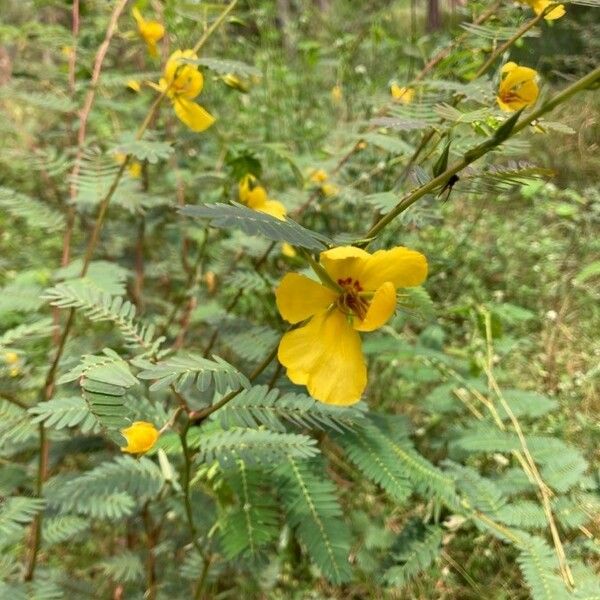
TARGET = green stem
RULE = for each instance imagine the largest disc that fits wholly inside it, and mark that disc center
(471, 156)
(502, 48)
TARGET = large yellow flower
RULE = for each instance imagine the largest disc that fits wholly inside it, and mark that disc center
(518, 87)
(140, 436)
(325, 354)
(539, 6)
(255, 196)
(182, 82)
(151, 31)
(405, 95)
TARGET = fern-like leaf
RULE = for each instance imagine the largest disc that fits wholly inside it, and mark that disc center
(416, 548)
(252, 222)
(315, 515)
(189, 371)
(260, 406)
(253, 523)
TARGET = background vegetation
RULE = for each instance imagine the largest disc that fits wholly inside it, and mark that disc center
(470, 469)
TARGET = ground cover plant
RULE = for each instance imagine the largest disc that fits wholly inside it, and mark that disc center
(299, 299)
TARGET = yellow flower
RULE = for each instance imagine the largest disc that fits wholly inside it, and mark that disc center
(134, 167)
(288, 250)
(518, 87)
(14, 371)
(255, 196)
(539, 6)
(337, 94)
(404, 95)
(330, 190)
(151, 31)
(319, 176)
(324, 353)
(140, 436)
(11, 358)
(182, 82)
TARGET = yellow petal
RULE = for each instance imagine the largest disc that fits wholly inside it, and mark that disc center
(256, 198)
(326, 356)
(508, 67)
(140, 436)
(175, 61)
(402, 266)
(343, 261)
(404, 95)
(540, 6)
(273, 208)
(382, 307)
(299, 297)
(192, 114)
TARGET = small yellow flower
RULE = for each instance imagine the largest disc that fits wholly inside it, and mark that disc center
(539, 6)
(337, 94)
(518, 87)
(14, 371)
(11, 358)
(182, 82)
(134, 85)
(361, 145)
(405, 95)
(330, 190)
(325, 353)
(255, 196)
(288, 250)
(140, 436)
(319, 176)
(151, 31)
(134, 167)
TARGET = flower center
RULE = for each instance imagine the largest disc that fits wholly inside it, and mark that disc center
(351, 301)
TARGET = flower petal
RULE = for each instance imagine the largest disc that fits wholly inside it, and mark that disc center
(299, 297)
(343, 261)
(175, 61)
(326, 356)
(273, 208)
(192, 114)
(382, 307)
(402, 266)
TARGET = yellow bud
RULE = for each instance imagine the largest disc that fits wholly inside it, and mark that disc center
(135, 169)
(288, 250)
(134, 85)
(337, 94)
(211, 281)
(11, 358)
(319, 176)
(140, 436)
(14, 371)
(330, 190)
(235, 82)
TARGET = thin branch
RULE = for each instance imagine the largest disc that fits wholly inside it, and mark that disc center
(565, 570)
